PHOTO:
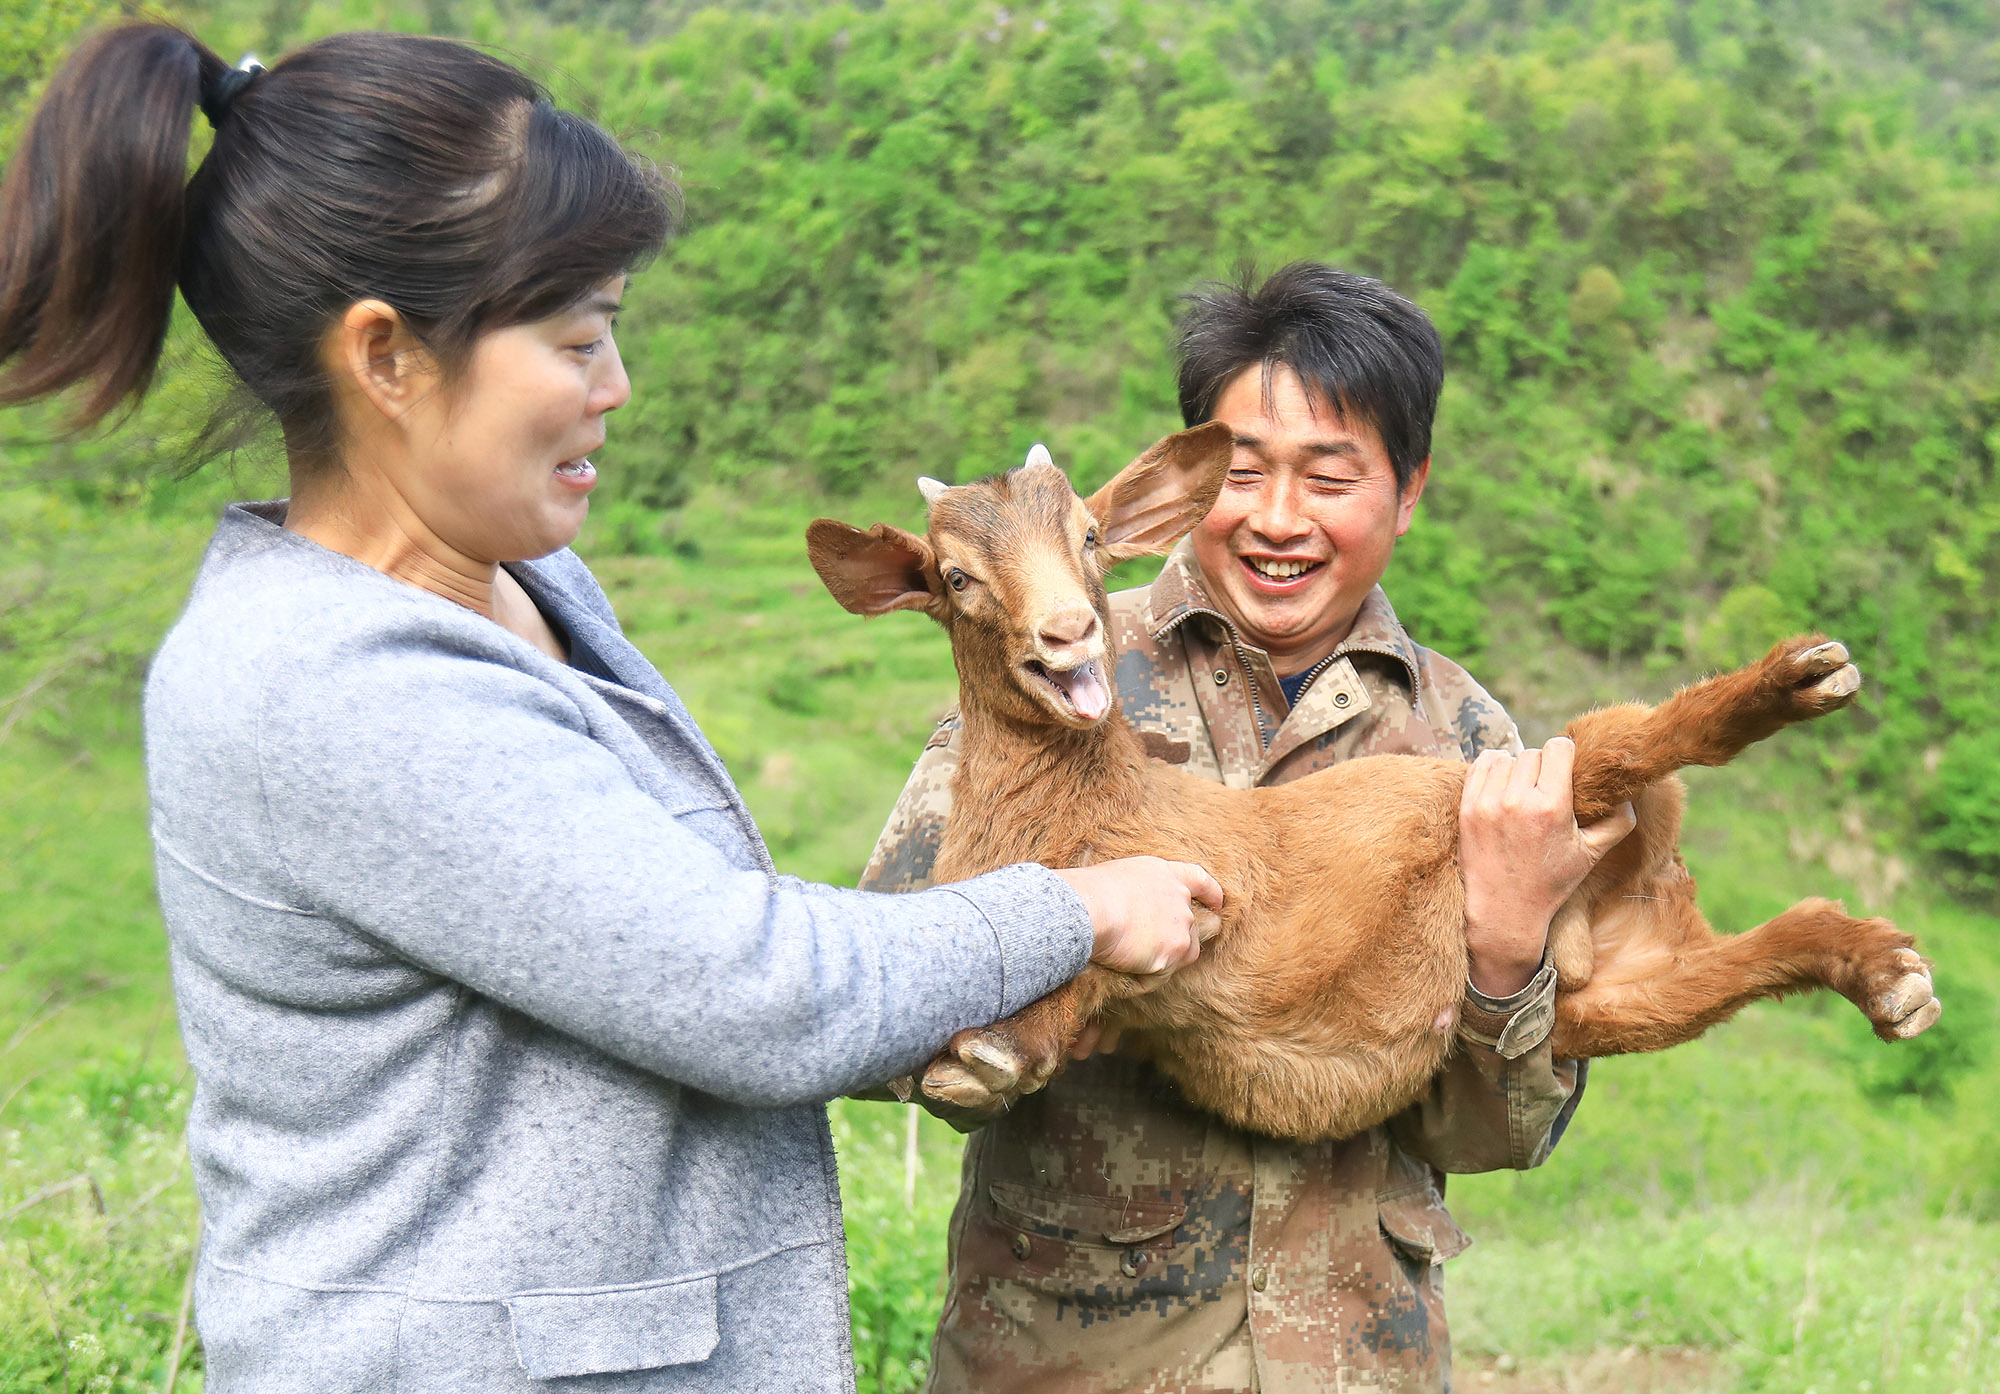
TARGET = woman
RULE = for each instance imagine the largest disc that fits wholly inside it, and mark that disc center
(510, 1044)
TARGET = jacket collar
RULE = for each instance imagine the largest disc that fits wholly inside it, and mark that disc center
(561, 586)
(244, 527)
(1178, 595)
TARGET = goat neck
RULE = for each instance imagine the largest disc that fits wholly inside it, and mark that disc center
(1031, 789)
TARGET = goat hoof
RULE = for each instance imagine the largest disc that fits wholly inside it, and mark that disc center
(1908, 992)
(993, 1062)
(983, 1069)
(948, 1082)
(1915, 1024)
(1821, 659)
(1825, 680)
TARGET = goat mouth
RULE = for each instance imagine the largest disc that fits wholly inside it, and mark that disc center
(1081, 690)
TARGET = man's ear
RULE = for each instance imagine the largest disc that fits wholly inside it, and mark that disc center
(1144, 510)
(873, 572)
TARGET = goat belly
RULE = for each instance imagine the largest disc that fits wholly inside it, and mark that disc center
(1329, 1002)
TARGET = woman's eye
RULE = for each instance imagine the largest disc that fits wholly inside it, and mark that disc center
(958, 579)
(588, 349)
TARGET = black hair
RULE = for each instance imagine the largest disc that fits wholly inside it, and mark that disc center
(414, 170)
(1362, 348)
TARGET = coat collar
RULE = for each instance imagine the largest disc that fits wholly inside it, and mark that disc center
(562, 587)
(1178, 595)
(249, 526)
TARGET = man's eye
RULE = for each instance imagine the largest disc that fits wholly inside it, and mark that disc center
(958, 579)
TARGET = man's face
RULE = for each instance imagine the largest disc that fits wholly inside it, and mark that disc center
(1306, 521)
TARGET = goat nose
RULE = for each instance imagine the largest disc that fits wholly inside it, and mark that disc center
(1074, 627)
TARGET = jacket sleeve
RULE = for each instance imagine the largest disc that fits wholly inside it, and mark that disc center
(904, 859)
(1502, 1100)
(906, 852)
(455, 809)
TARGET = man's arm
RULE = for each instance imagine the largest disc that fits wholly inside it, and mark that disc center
(907, 850)
(1502, 1100)
(903, 859)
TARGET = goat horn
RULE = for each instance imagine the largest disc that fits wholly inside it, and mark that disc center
(1038, 454)
(930, 489)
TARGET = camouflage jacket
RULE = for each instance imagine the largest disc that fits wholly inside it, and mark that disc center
(1110, 1238)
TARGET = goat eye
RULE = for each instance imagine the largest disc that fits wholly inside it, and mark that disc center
(1090, 538)
(958, 579)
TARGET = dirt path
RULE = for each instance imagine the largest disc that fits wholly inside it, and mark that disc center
(1628, 1371)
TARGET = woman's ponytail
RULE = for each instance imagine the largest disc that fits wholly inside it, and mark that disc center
(363, 166)
(93, 212)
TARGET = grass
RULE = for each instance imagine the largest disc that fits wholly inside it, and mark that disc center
(1785, 1205)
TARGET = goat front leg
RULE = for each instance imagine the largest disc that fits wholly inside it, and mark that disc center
(1659, 998)
(1620, 750)
(988, 1067)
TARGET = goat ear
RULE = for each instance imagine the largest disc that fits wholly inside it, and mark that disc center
(1150, 503)
(873, 572)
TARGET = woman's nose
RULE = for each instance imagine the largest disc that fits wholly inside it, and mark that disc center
(614, 389)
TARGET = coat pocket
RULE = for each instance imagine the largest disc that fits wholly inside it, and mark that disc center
(1421, 1230)
(1094, 1250)
(605, 1332)
(1108, 1222)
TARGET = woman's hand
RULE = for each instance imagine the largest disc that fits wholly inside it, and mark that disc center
(1522, 855)
(1143, 912)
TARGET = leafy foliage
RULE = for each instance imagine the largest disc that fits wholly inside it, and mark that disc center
(1717, 282)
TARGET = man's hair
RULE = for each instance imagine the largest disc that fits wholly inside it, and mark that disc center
(1365, 350)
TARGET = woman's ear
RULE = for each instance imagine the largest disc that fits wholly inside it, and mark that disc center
(371, 351)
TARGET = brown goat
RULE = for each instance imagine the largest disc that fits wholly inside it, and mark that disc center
(1329, 994)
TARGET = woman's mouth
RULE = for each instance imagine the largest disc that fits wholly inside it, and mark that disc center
(578, 473)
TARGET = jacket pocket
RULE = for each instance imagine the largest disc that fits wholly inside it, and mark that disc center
(1420, 1229)
(1096, 1251)
(605, 1332)
(1111, 1223)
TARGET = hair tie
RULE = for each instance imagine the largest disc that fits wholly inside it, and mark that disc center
(219, 97)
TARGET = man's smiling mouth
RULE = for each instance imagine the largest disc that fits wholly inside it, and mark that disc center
(1280, 570)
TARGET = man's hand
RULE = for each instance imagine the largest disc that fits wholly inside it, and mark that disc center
(1522, 855)
(1095, 1039)
(1143, 913)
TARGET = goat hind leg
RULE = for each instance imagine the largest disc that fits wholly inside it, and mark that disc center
(1620, 750)
(988, 1067)
(1713, 976)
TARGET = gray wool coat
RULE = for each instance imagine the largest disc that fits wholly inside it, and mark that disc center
(510, 1044)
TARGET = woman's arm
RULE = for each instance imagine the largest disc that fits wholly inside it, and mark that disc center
(456, 809)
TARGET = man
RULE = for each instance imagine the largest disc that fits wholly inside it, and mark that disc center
(1108, 1237)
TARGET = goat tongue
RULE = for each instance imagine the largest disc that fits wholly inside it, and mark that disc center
(1085, 689)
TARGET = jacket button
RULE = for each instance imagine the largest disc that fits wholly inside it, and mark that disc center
(1022, 1248)
(1132, 1262)
(1260, 1280)
(1341, 699)
(1221, 676)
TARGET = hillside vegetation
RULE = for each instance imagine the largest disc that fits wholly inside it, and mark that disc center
(1719, 297)
(1719, 284)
